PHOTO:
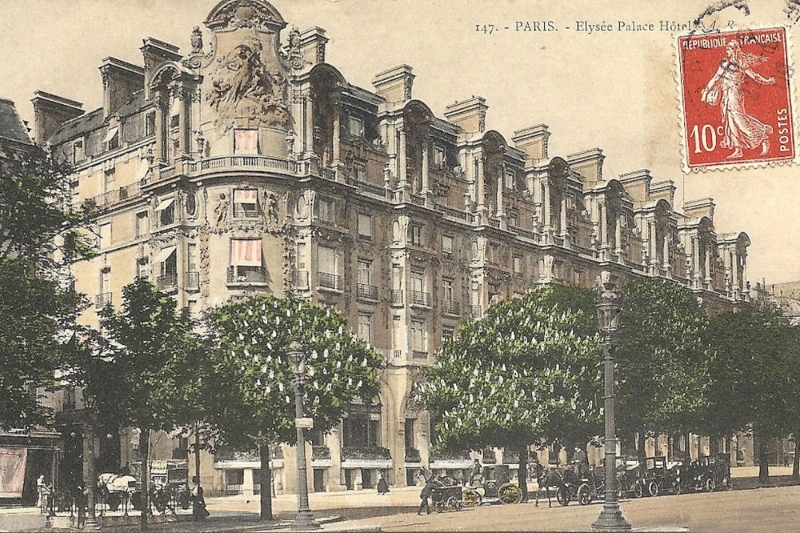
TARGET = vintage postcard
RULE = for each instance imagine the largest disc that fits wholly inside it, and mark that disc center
(412, 164)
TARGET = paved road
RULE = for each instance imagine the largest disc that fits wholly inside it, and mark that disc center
(766, 510)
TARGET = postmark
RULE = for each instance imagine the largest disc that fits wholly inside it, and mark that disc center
(736, 99)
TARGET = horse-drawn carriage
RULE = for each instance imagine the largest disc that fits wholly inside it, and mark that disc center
(167, 489)
(446, 494)
(494, 482)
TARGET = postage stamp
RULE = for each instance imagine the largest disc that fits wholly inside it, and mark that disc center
(736, 98)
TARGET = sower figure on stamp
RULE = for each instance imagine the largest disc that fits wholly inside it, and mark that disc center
(725, 88)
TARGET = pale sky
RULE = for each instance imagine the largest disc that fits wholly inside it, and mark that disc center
(615, 90)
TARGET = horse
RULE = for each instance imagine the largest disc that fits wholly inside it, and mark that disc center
(115, 489)
(547, 477)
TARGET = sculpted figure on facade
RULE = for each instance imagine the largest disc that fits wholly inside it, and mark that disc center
(244, 86)
(270, 207)
(221, 210)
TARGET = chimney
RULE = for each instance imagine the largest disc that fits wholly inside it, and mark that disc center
(49, 112)
(395, 84)
(120, 81)
(155, 54)
(469, 115)
(532, 141)
(637, 184)
(589, 164)
(312, 45)
(697, 209)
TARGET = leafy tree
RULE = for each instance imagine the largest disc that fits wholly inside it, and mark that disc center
(660, 356)
(250, 385)
(530, 371)
(755, 376)
(37, 233)
(145, 375)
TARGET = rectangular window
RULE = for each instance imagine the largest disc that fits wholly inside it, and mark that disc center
(166, 211)
(419, 339)
(143, 268)
(364, 226)
(246, 261)
(245, 203)
(365, 271)
(438, 156)
(142, 224)
(416, 235)
(328, 268)
(365, 328)
(112, 139)
(109, 177)
(78, 153)
(447, 334)
(105, 235)
(245, 141)
(325, 210)
(410, 440)
(447, 245)
(447, 289)
(168, 268)
(356, 126)
(517, 264)
(509, 177)
(150, 124)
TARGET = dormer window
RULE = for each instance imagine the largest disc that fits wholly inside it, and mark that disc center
(356, 126)
(112, 139)
(438, 156)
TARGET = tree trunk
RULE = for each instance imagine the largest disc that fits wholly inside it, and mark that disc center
(763, 461)
(640, 451)
(266, 482)
(796, 460)
(714, 445)
(522, 472)
(144, 448)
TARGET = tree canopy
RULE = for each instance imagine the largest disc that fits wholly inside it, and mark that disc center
(530, 371)
(661, 358)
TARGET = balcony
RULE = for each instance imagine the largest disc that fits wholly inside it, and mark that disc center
(412, 455)
(192, 281)
(421, 298)
(367, 292)
(449, 307)
(419, 354)
(300, 279)
(240, 274)
(232, 162)
(397, 297)
(167, 282)
(475, 312)
(320, 453)
(368, 453)
(102, 300)
(329, 281)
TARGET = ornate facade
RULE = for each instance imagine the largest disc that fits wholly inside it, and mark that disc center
(252, 165)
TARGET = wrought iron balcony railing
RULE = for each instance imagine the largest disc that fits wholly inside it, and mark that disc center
(192, 281)
(450, 307)
(167, 281)
(327, 280)
(421, 298)
(237, 274)
(367, 292)
(102, 300)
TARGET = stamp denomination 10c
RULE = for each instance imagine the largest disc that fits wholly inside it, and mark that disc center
(736, 99)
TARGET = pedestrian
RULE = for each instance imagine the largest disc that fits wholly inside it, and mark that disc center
(199, 511)
(41, 489)
(581, 461)
(81, 498)
(425, 494)
(383, 487)
(475, 473)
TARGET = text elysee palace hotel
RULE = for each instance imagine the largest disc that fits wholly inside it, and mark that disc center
(252, 165)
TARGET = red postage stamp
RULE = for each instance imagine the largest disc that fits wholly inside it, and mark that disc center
(736, 98)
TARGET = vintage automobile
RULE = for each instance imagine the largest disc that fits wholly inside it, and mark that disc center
(660, 477)
(494, 482)
(710, 473)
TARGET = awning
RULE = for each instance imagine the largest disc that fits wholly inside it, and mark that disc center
(165, 203)
(175, 108)
(246, 252)
(164, 254)
(111, 134)
(143, 169)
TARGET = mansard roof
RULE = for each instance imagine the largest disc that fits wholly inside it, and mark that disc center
(11, 126)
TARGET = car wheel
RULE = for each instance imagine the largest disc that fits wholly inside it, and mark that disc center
(710, 485)
(638, 490)
(728, 484)
(653, 489)
(509, 494)
(470, 498)
(584, 494)
(562, 495)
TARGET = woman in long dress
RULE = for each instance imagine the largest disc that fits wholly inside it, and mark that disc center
(742, 130)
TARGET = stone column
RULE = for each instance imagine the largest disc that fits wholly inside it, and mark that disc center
(563, 230)
(425, 177)
(337, 112)
(161, 130)
(401, 157)
(308, 125)
(618, 236)
(546, 215)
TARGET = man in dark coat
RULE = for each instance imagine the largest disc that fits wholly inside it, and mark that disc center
(425, 494)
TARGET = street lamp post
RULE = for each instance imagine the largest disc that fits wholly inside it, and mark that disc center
(609, 309)
(304, 520)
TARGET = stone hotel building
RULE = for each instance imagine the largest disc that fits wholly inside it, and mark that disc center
(249, 164)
